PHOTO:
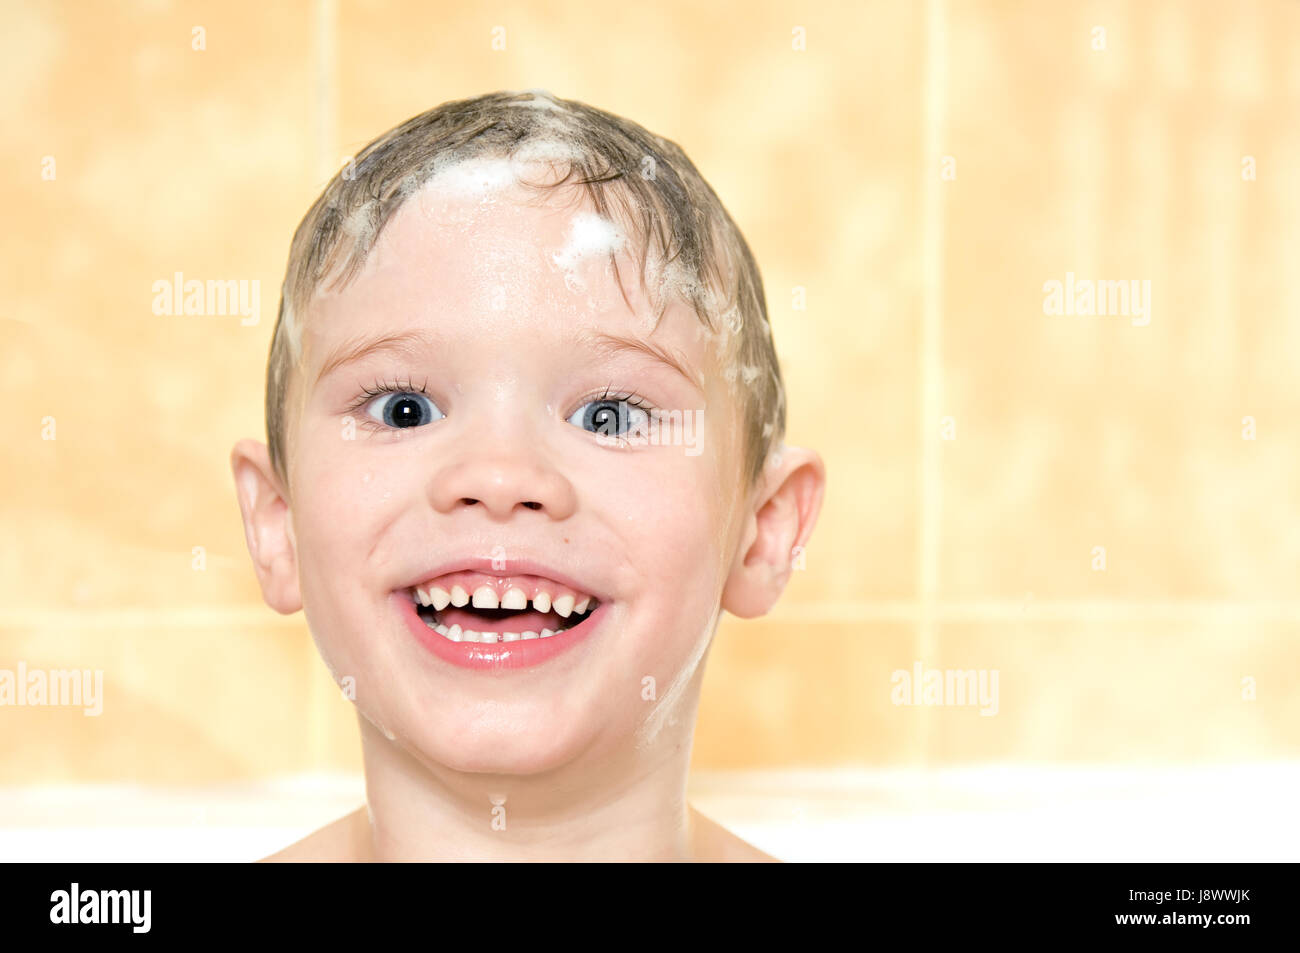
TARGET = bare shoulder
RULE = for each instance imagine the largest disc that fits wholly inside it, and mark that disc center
(715, 844)
(341, 841)
(347, 840)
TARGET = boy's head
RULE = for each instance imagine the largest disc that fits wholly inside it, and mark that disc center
(673, 226)
(522, 348)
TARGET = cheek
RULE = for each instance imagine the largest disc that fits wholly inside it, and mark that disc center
(677, 560)
(342, 500)
(665, 509)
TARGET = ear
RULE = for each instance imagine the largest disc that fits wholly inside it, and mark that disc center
(777, 532)
(268, 528)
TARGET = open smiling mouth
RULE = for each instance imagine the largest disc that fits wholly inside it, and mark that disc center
(486, 616)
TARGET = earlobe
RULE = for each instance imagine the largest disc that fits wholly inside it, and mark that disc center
(267, 528)
(776, 533)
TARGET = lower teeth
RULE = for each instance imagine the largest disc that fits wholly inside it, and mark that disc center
(456, 634)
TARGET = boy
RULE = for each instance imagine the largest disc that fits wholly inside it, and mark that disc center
(524, 423)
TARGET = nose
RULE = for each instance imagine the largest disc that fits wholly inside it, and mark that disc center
(503, 476)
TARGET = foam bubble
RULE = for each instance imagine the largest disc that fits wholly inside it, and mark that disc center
(590, 234)
(360, 223)
(474, 178)
(541, 100)
(672, 280)
(481, 177)
(290, 326)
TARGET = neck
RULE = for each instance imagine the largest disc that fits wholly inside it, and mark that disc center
(623, 805)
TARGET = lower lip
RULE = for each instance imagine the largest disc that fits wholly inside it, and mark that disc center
(495, 656)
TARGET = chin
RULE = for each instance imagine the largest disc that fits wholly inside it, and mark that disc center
(488, 751)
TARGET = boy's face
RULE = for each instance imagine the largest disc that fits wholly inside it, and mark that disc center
(496, 380)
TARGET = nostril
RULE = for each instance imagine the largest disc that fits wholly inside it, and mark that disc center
(532, 506)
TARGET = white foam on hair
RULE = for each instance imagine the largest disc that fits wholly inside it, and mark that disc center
(542, 99)
(290, 327)
(464, 177)
(589, 234)
(674, 281)
(549, 149)
(482, 176)
(360, 223)
(667, 282)
(474, 177)
(735, 372)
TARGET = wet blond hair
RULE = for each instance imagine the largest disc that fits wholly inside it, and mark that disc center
(684, 235)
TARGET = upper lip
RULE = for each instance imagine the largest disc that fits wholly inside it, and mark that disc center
(504, 568)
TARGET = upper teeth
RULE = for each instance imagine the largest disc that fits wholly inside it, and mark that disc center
(485, 597)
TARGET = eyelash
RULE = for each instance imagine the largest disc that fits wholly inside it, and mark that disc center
(404, 386)
(631, 398)
(634, 399)
(379, 388)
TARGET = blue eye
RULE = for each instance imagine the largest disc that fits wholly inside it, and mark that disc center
(404, 409)
(611, 417)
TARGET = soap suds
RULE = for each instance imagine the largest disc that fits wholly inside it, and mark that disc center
(483, 176)
(667, 282)
(541, 100)
(289, 325)
(589, 234)
(361, 223)
(473, 178)
(547, 150)
(665, 711)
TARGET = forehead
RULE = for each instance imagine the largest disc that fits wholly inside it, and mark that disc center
(474, 251)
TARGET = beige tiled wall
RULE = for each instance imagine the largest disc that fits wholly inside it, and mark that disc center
(924, 302)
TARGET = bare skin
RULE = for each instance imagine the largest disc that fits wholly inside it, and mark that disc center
(348, 840)
(463, 307)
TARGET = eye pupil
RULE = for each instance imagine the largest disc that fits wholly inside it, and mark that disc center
(604, 418)
(614, 419)
(404, 412)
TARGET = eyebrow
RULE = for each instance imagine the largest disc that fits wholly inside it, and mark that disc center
(409, 343)
(613, 343)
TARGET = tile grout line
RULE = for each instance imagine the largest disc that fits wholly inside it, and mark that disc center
(931, 369)
(827, 613)
(325, 16)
